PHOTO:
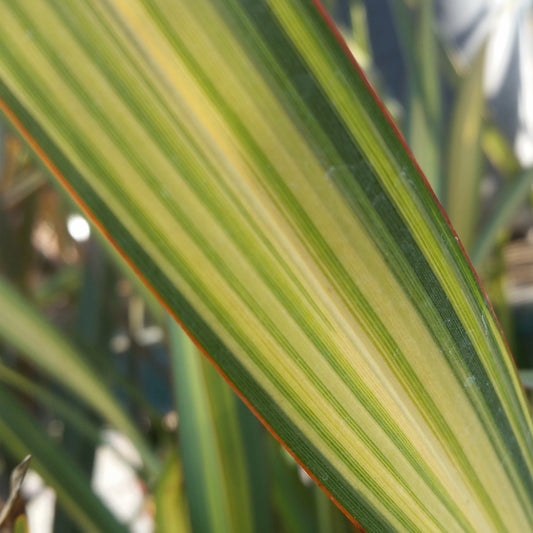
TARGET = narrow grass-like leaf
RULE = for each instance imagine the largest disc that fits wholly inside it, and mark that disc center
(255, 442)
(21, 434)
(172, 513)
(27, 183)
(293, 502)
(498, 150)
(423, 128)
(328, 517)
(236, 156)
(527, 378)
(464, 153)
(24, 329)
(210, 441)
(51, 400)
(514, 193)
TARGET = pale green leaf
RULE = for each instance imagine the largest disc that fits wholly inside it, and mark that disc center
(507, 204)
(211, 443)
(464, 163)
(172, 513)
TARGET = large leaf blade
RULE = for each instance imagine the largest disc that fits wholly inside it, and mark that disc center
(239, 160)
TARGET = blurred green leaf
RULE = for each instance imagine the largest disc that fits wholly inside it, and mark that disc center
(463, 173)
(497, 149)
(211, 443)
(21, 434)
(329, 519)
(514, 193)
(423, 129)
(55, 402)
(172, 513)
(21, 525)
(293, 501)
(25, 329)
